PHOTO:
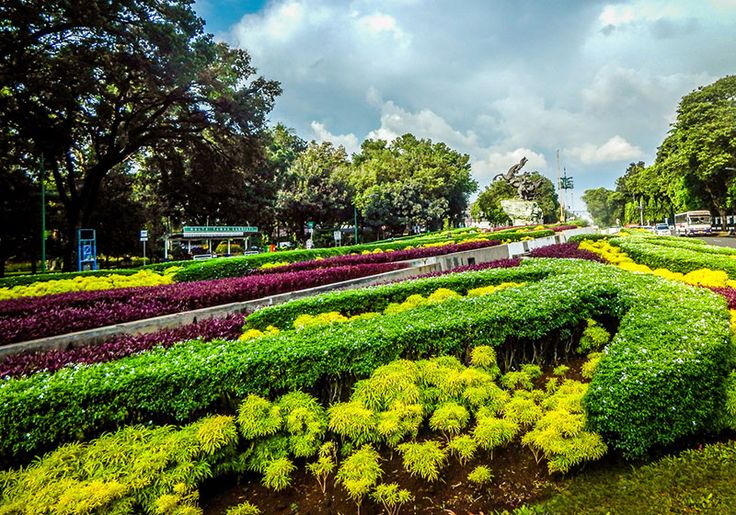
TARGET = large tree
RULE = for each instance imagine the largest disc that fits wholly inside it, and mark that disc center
(603, 205)
(699, 153)
(88, 84)
(411, 182)
(316, 189)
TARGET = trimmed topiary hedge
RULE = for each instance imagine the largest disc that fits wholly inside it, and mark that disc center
(681, 257)
(25, 280)
(661, 378)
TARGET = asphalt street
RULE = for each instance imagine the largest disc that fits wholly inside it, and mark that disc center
(721, 241)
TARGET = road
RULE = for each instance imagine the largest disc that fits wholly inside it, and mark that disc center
(721, 241)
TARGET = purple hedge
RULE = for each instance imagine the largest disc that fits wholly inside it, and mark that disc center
(383, 257)
(498, 263)
(229, 327)
(29, 318)
(729, 293)
(565, 250)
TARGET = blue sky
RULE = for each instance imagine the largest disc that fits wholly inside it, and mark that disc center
(597, 80)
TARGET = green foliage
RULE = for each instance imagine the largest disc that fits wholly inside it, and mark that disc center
(257, 417)
(277, 473)
(517, 379)
(559, 435)
(464, 447)
(136, 469)
(677, 255)
(594, 337)
(267, 450)
(481, 475)
(354, 421)
(533, 371)
(523, 411)
(244, 508)
(391, 497)
(560, 370)
(491, 432)
(360, 472)
(449, 418)
(325, 464)
(424, 459)
(605, 206)
(659, 359)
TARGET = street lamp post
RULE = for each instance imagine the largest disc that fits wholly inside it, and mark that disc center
(43, 216)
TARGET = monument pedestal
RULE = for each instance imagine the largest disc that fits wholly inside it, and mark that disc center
(522, 212)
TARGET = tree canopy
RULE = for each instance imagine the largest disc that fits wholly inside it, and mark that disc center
(86, 85)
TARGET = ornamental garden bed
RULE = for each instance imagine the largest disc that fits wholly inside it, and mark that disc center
(665, 376)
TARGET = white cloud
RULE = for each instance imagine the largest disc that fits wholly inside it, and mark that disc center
(396, 121)
(348, 141)
(615, 149)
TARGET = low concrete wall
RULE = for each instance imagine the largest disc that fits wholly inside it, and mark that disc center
(99, 335)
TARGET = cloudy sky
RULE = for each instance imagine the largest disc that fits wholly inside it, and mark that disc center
(497, 79)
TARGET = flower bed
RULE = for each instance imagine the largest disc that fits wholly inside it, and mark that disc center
(565, 250)
(120, 346)
(239, 266)
(661, 378)
(38, 317)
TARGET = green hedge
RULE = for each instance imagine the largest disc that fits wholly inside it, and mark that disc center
(647, 251)
(24, 280)
(590, 237)
(663, 376)
(240, 266)
(377, 298)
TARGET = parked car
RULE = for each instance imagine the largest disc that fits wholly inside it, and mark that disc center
(662, 230)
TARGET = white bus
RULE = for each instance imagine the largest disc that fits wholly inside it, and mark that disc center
(691, 223)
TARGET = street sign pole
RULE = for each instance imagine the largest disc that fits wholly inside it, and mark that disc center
(144, 239)
(43, 216)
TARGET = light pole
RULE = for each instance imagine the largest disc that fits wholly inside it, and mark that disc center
(43, 216)
(355, 224)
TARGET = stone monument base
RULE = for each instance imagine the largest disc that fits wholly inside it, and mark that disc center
(522, 212)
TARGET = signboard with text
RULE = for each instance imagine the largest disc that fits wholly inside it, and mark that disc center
(204, 231)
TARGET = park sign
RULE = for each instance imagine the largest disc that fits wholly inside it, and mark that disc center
(204, 231)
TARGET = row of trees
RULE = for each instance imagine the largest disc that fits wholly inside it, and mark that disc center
(131, 116)
(695, 167)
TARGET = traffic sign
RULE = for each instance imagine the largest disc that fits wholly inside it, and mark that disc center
(337, 235)
(144, 235)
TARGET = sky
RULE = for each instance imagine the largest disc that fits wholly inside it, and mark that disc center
(598, 81)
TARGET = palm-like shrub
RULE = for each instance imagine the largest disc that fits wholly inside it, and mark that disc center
(484, 356)
(594, 337)
(424, 459)
(464, 447)
(450, 418)
(258, 417)
(517, 379)
(359, 473)
(244, 508)
(391, 497)
(522, 410)
(325, 464)
(480, 475)
(560, 436)
(305, 421)
(277, 474)
(594, 358)
(396, 381)
(491, 432)
(400, 422)
(353, 421)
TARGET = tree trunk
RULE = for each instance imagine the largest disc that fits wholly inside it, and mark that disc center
(73, 216)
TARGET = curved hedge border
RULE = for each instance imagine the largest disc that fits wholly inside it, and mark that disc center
(676, 258)
(663, 376)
